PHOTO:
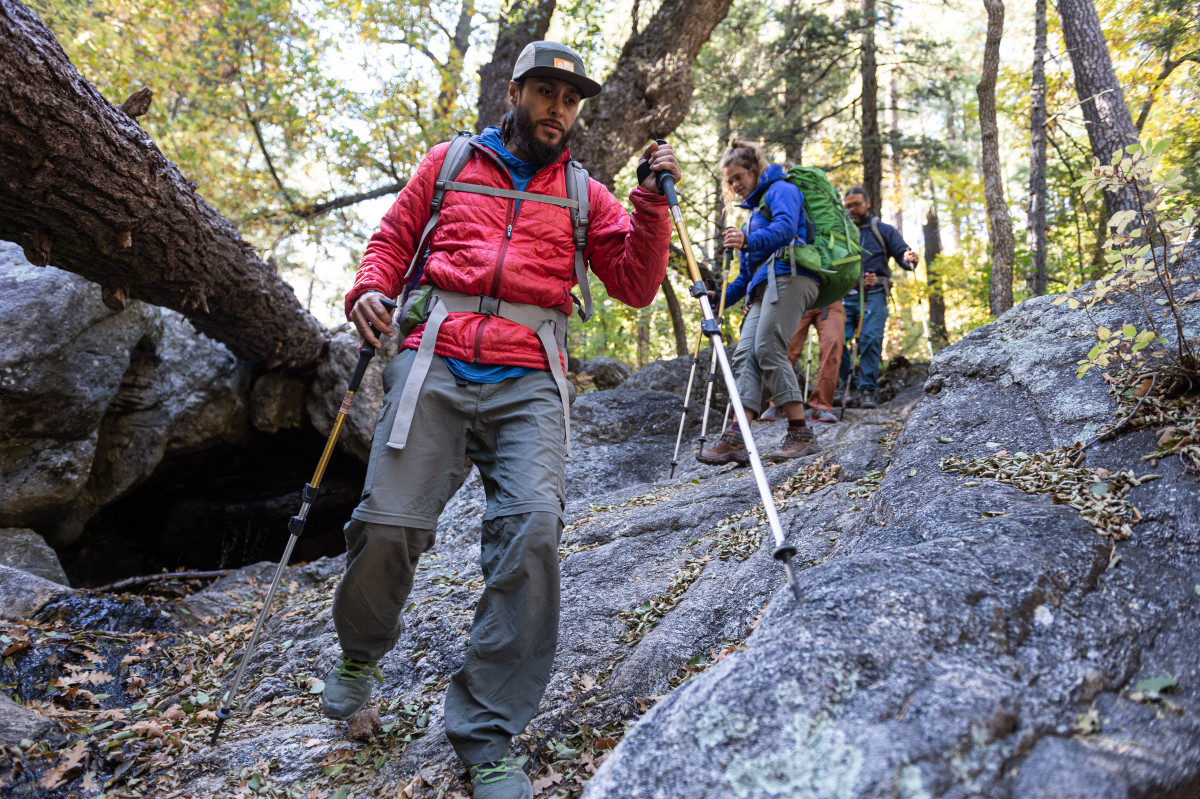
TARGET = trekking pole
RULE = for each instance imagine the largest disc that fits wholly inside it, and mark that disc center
(807, 365)
(296, 528)
(850, 378)
(712, 360)
(710, 327)
(687, 398)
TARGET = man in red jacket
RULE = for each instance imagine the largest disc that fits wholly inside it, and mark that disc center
(482, 379)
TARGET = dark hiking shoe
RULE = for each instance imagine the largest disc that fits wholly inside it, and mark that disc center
(798, 442)
(731, 448)
(868, 400)
(348, 687)
(500, 779)
(771, 414)
(822, 415)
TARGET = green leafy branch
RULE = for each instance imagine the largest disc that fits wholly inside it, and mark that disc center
(1144, 249)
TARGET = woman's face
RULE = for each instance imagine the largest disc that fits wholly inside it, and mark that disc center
(740, 180)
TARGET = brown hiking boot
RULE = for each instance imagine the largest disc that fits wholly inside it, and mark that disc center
(731, 448)
(797, 443)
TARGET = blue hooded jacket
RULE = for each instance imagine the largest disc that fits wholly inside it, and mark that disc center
(785, 207)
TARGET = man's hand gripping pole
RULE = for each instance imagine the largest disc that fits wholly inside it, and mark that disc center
(711, 328)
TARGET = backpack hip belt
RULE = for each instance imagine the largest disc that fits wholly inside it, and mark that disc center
(548, 324)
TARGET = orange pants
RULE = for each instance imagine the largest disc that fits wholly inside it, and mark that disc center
(830, 323)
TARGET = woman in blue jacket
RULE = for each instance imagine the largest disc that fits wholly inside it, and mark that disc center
(777, 295)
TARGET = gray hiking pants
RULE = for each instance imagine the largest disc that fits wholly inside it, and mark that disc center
(761, 356)
(513, 432)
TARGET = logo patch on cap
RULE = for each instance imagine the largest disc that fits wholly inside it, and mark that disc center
(562, 63)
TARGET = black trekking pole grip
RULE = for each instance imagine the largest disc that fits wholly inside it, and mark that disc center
(366, 352)
(666, 182)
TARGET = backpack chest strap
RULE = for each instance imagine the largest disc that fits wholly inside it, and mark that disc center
(548, 324)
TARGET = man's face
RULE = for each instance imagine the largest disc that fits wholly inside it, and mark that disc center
(857, 206)
(546, 109)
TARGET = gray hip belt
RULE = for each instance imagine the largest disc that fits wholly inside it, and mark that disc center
(548, 324)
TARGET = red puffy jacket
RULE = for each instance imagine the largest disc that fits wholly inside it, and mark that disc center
(470, 253)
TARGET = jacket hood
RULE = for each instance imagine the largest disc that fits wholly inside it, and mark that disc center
(771, 174)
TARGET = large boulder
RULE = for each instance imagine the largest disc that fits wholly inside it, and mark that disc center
(23, 594)
(92, 400)
(26, 550)
(962, 638)
(327, 391)
(18, 724)
(605, 372)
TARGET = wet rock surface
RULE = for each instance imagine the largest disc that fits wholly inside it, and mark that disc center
(956, 638)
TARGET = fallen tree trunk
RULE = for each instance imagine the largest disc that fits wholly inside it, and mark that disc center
(86, 189)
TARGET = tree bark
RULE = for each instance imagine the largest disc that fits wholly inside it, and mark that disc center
(86, 189)
(1102, 101)
(650, 89)
(678, 326)
(1035, 235)
(894, 158)
(872, 147)
(521, 22)
(938, 337)
(1000, 234)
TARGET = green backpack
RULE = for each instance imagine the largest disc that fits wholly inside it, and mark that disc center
(834, 254)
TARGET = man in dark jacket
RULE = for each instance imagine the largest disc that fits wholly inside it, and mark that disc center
(880, 243)
(482, 378)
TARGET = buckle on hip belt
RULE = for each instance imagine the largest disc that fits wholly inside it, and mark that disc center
(489, 306)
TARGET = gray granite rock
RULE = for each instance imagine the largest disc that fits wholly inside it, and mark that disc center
(606, 372)
(23, 594)
(26, 550)
(89, 412)
(18, 724)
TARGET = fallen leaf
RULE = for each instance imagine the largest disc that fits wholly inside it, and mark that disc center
(542, 783)
(1155, 686)
(149, 729)
(66, 770)
(173, 713)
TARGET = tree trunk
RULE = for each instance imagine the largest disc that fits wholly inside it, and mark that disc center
(1035, 236)
(894, 159)
(932, 231)
(678, 326)
(85, 189)
(1000, 234)
(643, 337)
(872, 148)
(650, 89)
(521, 22)
(451, 70)
(1109, 125)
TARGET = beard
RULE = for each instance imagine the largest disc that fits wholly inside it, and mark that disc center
(524, 133)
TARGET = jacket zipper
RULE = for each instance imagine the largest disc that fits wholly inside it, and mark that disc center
(514, 210)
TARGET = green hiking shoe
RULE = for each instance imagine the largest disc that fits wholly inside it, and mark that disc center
(500, 779)
(348, 687)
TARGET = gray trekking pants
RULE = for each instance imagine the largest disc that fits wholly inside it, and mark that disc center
(761, 356)
(513, 432)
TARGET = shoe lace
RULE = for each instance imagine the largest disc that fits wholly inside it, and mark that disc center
(497, 770)
(798, 435)
(350, 670)
(732, 437)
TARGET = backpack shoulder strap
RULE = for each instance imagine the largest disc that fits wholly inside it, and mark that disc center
(457, 156)
(879, 237)
(577, 190)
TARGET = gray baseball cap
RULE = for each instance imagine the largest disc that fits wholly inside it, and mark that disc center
(554, 60)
